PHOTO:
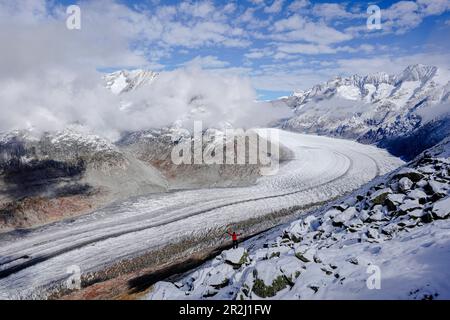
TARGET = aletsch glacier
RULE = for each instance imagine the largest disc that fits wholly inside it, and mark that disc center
(374, 109)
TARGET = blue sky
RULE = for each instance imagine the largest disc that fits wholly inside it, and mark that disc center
(280, 45)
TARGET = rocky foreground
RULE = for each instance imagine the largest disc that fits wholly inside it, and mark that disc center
(389, 240)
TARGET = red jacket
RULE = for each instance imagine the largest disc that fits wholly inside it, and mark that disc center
(234, 235)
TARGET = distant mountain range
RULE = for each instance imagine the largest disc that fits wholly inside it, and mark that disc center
(78, 171)
(405, 113)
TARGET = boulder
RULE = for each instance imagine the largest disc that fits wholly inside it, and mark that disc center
(405, 184)
(437, 188)
(389, 229)
(417, 213)
(427, 217)
(305, 253)
(235, 257)
(345, 216)
(219, 277)
(378, 197)
(409, 173)
(422, 183)
(364, 215)
(341, 207)
(441, 209)
(417, 194)
(268, 279)
(373, 233)
(410, 205)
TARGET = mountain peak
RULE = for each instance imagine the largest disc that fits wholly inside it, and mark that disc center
(417, 72)
(128, 80)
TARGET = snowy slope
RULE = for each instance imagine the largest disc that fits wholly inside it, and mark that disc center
(374, 108)
(321, 169)
(397, 226)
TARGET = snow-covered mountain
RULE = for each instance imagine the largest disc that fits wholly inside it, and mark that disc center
(125, 81)
(388, 240)
(379, 108)
(47, 177)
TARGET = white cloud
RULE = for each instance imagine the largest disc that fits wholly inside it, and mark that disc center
(206, 62)
(275, 7)
(296, 28)
(332, 11)
(297, 5)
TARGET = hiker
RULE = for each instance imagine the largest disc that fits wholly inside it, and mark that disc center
(234, 236)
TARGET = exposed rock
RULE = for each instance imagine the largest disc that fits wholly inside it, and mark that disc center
(418, 195)
(441, 209)
(345, 216)
(380, 196)
(235, 257)
(410, 205)
(417, 213)
(409, 173)
(405, 184)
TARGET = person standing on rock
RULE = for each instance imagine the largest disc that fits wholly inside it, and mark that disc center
(234, 236)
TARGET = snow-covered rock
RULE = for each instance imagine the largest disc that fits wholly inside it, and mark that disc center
(442, 208)
(235, 257)
(334, 256)
(405, 184)
(378, 197)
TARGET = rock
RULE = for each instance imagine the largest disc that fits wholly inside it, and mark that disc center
(235, 257)
(341, 207)
(437, 188)
(396, 198)
(377, 216)
(277, 251)
(377, 213)
(345, 216)
(219, 277)
(304, 253)
(441, 209)
(422, 183)
(364, 215)
(409, 173)
(268, 279)
(418, 213)
(411, 223)
(372, 233)
(290, 267)
(427, 218)
(330, 214)
(417, 194)
(210, 292)
(405, 184)
(312, 222)
(410, 205)
(378, 197)
(427, 169)
(353, 260)
(389, 229)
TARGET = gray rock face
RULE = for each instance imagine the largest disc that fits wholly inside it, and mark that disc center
(38, 174)
(155, 148)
